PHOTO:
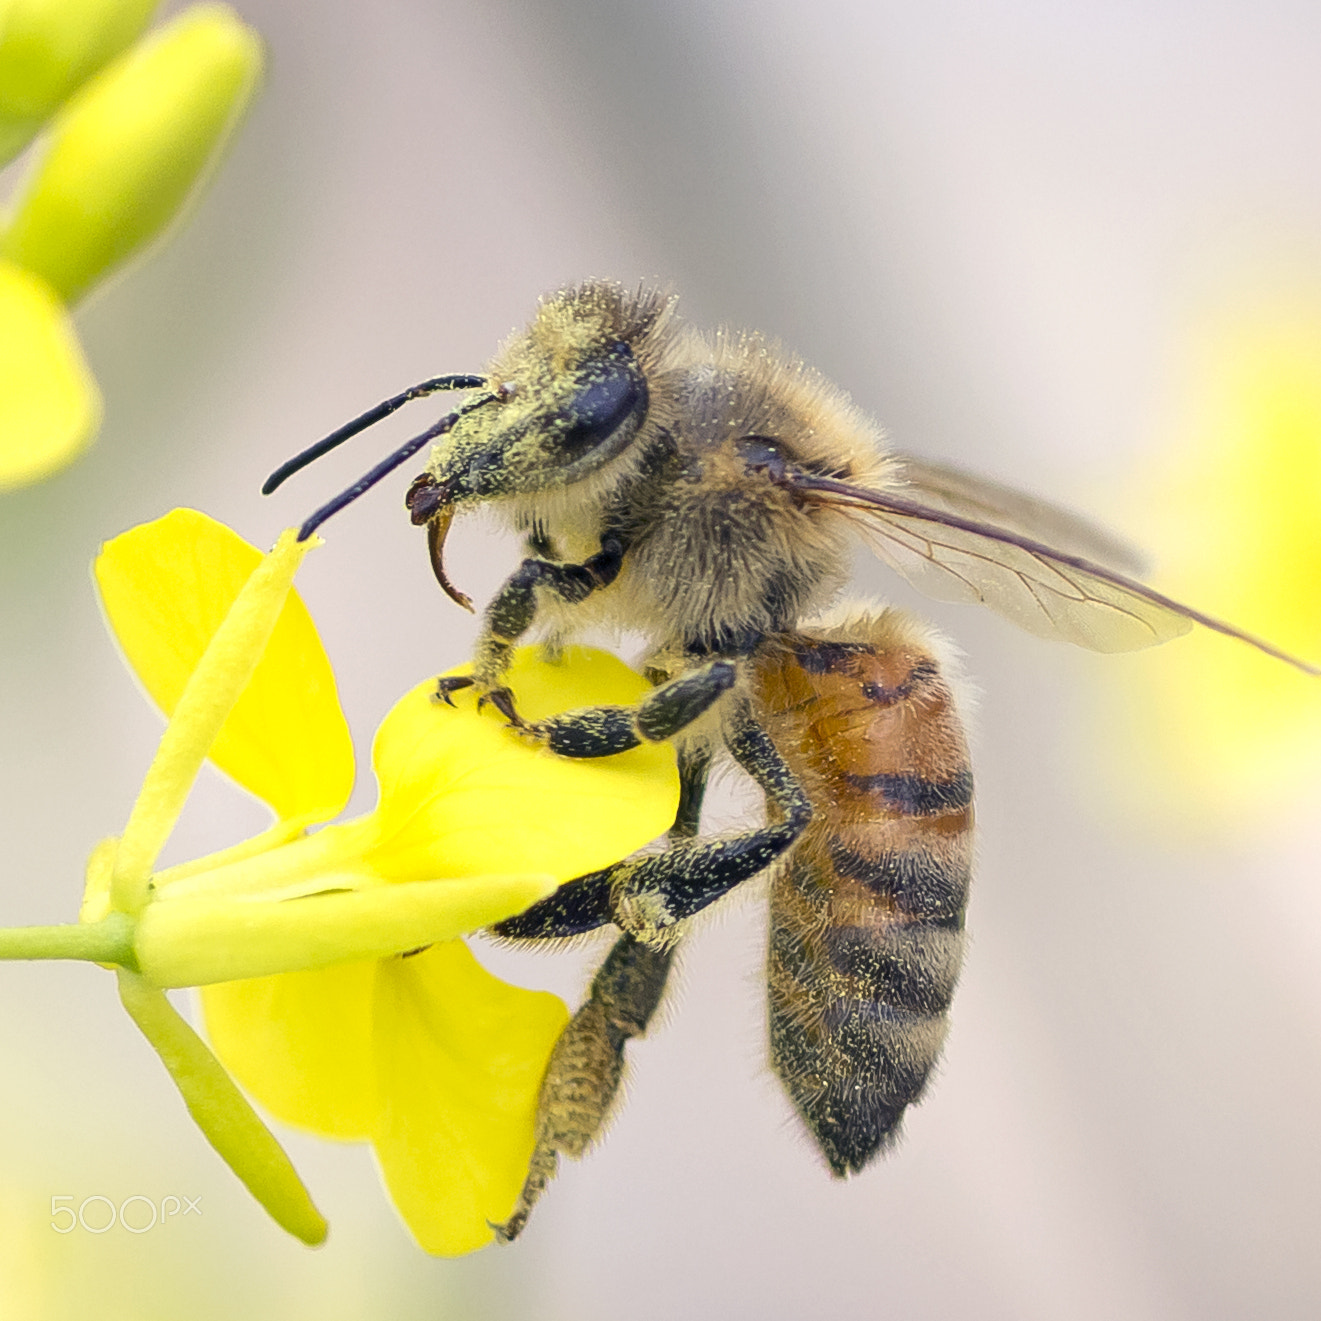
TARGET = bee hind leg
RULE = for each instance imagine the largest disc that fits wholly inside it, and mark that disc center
(587, 1064)
(648, 898)
(585, 1068)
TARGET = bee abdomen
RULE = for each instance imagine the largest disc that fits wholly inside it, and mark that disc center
(867, 912)
(857, 1008)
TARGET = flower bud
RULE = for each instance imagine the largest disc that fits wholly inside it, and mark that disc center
(128, 149)
(48, 48)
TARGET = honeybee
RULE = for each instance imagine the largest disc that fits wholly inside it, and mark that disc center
(707, 491)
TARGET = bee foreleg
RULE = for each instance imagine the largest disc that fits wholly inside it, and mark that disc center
(514, 606)
(587, 1063)
(603, 731)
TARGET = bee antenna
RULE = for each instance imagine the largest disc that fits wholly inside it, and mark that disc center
(382, 469)
(368, 419)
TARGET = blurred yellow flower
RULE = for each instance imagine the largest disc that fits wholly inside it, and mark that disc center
(1211, 730)
(123, 154)
(348, 1006)
(49, 404)
(128, 135)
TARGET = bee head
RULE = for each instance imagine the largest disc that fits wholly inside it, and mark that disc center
(547, 421)
(559, 402)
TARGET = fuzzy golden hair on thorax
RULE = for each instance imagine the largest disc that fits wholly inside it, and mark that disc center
(777, 395)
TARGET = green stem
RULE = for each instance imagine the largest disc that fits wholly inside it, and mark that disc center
(108, 941)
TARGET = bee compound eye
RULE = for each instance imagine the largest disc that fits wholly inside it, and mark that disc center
(613, 390)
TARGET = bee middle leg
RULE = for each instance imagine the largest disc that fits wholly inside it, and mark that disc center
(603, 731)
(652, 894)
(649, 896)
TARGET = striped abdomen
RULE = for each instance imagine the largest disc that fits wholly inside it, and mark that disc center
(867, 910)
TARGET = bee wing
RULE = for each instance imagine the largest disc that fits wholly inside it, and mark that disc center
(1050, 592)
(953, 491)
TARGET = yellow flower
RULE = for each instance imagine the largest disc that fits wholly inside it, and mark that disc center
(1209, 730)
(359, 1014)
(119, 159)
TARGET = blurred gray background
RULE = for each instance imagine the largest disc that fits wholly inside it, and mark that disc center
(996, 225)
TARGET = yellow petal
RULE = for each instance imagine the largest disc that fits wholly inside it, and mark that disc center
(301, 1045)
(49, 47)
(50, 407)
(227, 1121)
(166, 586)
(460, 1057)
(460, 794)
(204, 706)
(129, 147)
(191, 942)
